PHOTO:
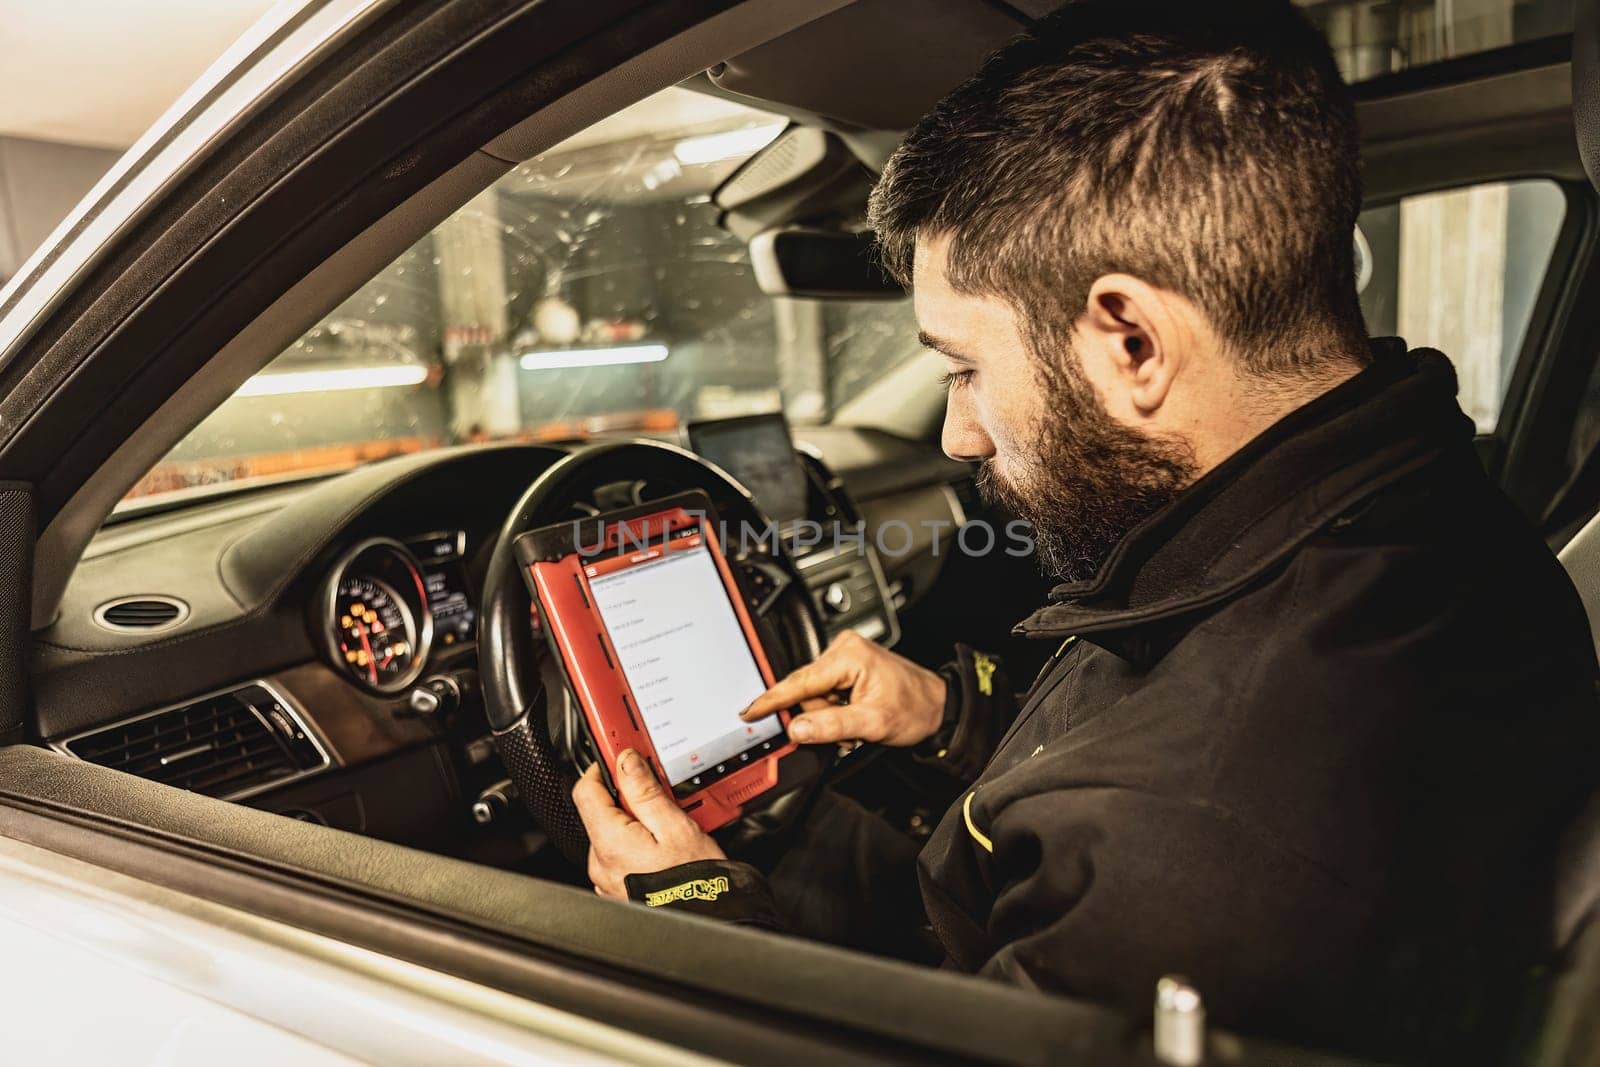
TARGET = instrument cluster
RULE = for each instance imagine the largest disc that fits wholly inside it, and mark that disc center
(388, 604)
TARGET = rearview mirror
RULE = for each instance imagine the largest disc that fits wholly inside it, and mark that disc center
(806, 261)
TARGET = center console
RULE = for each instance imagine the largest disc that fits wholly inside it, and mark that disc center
(843, 572)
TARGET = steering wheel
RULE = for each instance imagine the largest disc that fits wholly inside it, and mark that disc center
(530, 710)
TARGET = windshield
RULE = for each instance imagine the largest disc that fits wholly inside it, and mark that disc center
(589, 290)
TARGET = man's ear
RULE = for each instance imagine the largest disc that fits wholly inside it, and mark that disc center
(1129, 328)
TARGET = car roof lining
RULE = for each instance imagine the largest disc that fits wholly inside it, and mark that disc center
(890, 60)
(1499, 127)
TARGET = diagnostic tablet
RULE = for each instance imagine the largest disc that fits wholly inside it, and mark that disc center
(659, 649)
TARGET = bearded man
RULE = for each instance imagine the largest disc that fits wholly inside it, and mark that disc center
(1322, 700)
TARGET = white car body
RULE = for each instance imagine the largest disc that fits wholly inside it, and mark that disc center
(104, 968)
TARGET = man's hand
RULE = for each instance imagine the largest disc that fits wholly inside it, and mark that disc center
(620, 844)
(891, 699)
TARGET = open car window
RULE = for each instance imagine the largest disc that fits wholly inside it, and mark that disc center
(589, 290)
(1460, 270)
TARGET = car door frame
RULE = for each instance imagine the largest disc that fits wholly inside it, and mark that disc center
(1497, 117)
(718, 989)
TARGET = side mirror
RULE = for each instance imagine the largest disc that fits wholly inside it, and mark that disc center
(807, 261)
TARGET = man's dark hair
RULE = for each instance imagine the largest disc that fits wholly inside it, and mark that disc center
(1207, 148)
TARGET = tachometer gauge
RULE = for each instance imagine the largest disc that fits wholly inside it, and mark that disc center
(377, 638)
(374, 616)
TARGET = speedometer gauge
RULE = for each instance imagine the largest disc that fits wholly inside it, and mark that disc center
(374, 616)
(377, 638)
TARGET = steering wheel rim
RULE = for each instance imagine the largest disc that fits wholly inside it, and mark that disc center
(510, 656)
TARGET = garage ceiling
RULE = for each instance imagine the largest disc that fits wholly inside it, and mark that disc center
(99, 72)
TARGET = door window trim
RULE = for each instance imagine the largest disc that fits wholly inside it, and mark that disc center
(1521, 436)
(1558, 353)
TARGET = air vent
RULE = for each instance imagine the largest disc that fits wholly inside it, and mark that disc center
(227, 745)
(834, 494)
(141, 614)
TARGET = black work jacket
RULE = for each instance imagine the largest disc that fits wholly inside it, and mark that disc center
(1309, 739)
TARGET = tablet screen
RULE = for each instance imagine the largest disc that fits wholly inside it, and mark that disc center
(686, 659)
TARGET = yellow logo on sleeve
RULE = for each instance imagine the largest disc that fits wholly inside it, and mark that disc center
(983, 667)
(698, 889)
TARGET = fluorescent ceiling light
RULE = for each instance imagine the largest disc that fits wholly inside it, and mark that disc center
(592, 357)
(278, 383)
(715, 146)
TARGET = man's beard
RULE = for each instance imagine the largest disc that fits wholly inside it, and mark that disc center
(1089, 481)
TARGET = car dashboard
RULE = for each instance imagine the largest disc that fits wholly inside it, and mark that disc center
(311, 649)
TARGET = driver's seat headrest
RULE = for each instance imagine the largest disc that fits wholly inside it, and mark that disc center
(1586, 85)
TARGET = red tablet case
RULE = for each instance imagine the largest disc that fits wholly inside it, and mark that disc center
(561, 586)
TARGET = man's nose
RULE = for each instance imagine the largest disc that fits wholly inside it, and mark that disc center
(964, 437)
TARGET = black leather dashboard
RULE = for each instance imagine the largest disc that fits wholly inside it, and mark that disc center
(248, 568)
(248, 575)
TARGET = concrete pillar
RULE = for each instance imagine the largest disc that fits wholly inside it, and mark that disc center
(1361, 34)
(480, 371)
(40, 183)
(1453, 245)
(1452, 288)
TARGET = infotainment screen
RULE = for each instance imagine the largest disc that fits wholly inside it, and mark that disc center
(757, 450)
(685, 656)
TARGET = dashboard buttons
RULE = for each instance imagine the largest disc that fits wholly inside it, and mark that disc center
(441, 695)
(424, 701)
(836, 598)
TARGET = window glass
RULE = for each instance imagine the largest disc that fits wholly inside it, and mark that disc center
(590, 289)
(1459, 271)
(1371, 38)
(865, 338)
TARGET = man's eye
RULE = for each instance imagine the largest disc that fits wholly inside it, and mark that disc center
(955, 378)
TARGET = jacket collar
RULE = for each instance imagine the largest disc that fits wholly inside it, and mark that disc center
(1254, 509)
